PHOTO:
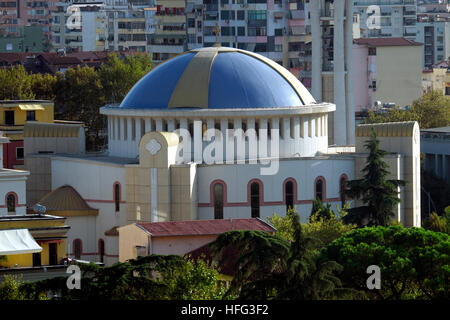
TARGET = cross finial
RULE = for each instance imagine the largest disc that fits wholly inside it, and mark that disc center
(216, 31)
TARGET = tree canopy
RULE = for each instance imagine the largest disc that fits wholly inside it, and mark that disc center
(79, 92)
(414, 262)
(432, 110)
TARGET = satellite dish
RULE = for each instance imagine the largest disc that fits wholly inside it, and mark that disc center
(39, 209)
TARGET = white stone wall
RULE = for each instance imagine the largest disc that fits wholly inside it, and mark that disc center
(94, 181)
(303, 171)
(13, 181)
(300, 135)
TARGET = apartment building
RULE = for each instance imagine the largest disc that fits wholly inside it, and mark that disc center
(167, 29)
(100, 25)
(15, 14)
(387, 18)
(388, 70)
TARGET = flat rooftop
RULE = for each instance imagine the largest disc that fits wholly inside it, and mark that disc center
(437, 130)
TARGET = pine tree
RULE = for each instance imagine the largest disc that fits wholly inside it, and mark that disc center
(379, 195)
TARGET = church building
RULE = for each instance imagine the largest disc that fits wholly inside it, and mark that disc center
(213, 133)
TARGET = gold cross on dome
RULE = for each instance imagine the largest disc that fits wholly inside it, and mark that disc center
(216, 31)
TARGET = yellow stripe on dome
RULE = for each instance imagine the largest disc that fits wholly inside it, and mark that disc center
(303, 93)
(189, 93)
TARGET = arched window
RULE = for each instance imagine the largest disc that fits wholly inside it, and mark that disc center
(289, 195)
(117, 196)
(218, 200)
(11, 202)
(342, 185)
(101, 249)
(255, 196)
(77, 248)
(320, 189)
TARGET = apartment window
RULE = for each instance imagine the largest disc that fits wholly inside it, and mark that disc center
(191, 23)
(241, 31)
(255, 198)
(228, 31)
(260, 47)
(218, 201)
(257, 15)
(19, 153)
(278, 47)
(9, 117)
(31, 115)
(227, 15)
(279, 32)
(257, 31)
(11, 202)
(372, 51)
(240, 14)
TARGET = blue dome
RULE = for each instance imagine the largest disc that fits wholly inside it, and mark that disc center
(217, 78)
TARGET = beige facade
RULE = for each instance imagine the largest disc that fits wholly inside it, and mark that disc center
(405, 84)
(434, 80)
(157, 189)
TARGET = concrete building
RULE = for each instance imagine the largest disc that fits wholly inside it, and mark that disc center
(179, 237)
(436, 147)
(387, 18)
(12, 186)
(391, 70)
(28, 39)
(167, 29)
(13, 116)
(110, 25)
(17, 14)
(434, 33)
(276, 157)
(435, 79)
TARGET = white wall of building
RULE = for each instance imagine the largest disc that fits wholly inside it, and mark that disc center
(94, 180)
(303, 171)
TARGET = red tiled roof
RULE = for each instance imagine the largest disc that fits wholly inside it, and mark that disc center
(386, 42)
(204, 227)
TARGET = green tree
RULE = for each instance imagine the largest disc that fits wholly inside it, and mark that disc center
(379, 195)
(432, 110)
(321, 209)
(15, 84)
(438, 223)
(414, 262)
(269, 267)
(79, 96)
(304, 277)
(260, 254)
(323, 229)
(327, 229)
(152, 277)
(42, 86)
(119, 75)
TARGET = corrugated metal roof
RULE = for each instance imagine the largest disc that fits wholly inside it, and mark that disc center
(390, 129)
(40, 129)
(204, 227)
(66, 199)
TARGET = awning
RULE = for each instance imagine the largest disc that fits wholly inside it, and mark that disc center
(30, 107)
(17, 241)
